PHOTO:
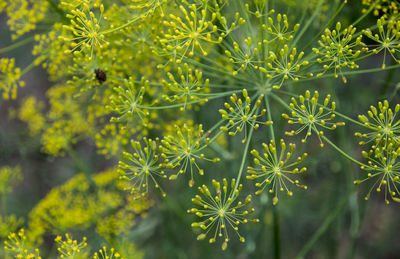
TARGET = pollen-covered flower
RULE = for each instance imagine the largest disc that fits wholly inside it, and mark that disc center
(274, 169)
(384, 167)
(311, 115)
(286, 65)
(186, 86)
(182, 151)
(193, 31)
(106, 254)
(338, 49)
(244, 57)
(220, 211)
(242, 114)
(9, 78)
(16, 246)
(382, 123)
(387, 40)
(69, 248)
(280, 29)
(85, 29)
(142, 167)
(126, 102)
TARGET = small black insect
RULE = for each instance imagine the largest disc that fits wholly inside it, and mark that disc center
(100, 75)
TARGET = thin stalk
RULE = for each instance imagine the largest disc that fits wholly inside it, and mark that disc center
(342, 152)
(245, 151)
(322, 229)
(28, 68)
(178, 105)
(309, 21)
(17, 44)
(124, 25)
(275, 212)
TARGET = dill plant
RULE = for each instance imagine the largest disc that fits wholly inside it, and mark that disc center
(166, 61)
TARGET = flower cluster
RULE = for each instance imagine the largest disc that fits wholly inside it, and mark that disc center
(16, 245)
(384, 166)
(286, 65)
(188, 85)
(338, 49)
(142, 167)
(69, 248)
(311, 115)
(85, 29)
(182, 151)
(382, 124)
(387, 40)
(242, 114)
(220, 210)
(274, 169)
(9, 78)
(106, 254)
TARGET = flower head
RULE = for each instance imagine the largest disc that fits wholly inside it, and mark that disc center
(242, 114)
(387, 40)
(338, 49)
(142, 167)
(311, 115)
(106, 254)
(275, 168)
(382, 123)
(220, 211)
(85, 29)
(182, 151)
(9, 78)
(69, 248)
(384, 166)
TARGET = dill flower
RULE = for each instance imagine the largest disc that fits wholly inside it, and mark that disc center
(383, 165)
(242, 114)
(31, 113)
(338, 49)
(69, 248)
(382, 123)
(24, 15)
(112, 138)
(280, 29)
(17, 246)
(142, 167)
(188, 85)
(311, 115)
(181, 151)
(275, 169)
(387, 40)
(244, 57)
(284, 66)
(127, 101)
(191, 32)
(85, 29)
(9, 78)
(104, 254)
(221, 210)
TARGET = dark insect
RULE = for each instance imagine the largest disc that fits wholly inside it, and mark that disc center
(100, 75)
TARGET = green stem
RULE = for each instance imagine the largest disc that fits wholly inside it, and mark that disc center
(270, 128)
(178, 105)
(245, 151)
(28, 68)
(342, 152)
(321, 230)
(275, 212)
(309, 21)
(276, 232)
(124, 25)
(17, 44)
